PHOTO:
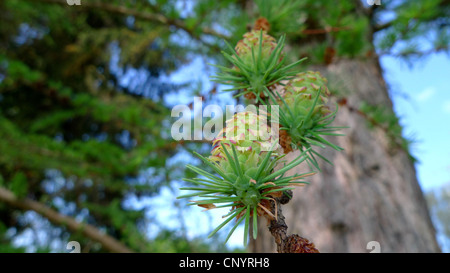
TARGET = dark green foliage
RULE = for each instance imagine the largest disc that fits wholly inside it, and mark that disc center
(64, 108)
(416, 29)
(438, 200)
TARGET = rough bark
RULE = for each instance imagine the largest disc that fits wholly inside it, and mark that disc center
(370, 194)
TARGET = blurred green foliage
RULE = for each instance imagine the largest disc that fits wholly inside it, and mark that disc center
(439, 202)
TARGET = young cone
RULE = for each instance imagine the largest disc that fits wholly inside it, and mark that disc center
(244, 156)
(251, 136)
(305, 114)
(247, 48)
(300, 95)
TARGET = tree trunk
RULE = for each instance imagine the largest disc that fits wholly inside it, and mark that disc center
(370, 194)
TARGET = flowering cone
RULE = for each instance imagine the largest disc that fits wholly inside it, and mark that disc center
(300, 95)
(305, 115)
(248, 48)
(244, 158)
(251, 136)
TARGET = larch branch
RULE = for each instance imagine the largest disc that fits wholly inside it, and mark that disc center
(108, 242)
(152, 17)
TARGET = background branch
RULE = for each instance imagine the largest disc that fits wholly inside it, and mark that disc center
(108, 242)
(383, 26)
(325, 30)
(153, 17)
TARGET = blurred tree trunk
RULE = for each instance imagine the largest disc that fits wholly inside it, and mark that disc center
(370, 194)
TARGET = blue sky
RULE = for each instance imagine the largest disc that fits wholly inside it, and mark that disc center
(421, 98)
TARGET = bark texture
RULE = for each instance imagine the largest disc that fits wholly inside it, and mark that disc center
(370, 194)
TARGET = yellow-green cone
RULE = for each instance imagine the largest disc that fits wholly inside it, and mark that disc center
(252, 138)
(250, 42)
(300, 94)
(305, 114)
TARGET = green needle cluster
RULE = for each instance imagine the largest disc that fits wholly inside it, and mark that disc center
(258, 63)
(240, 189)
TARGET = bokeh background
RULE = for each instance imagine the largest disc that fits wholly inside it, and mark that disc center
(86, 93)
